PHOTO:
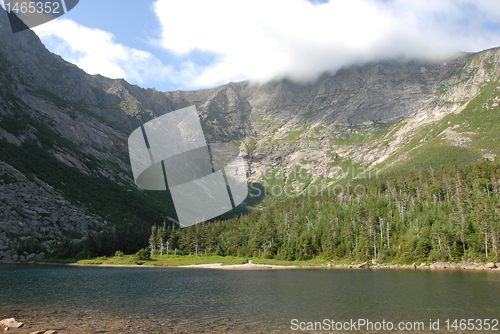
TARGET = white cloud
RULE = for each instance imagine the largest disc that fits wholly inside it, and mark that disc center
(95, 51)
(261, 39)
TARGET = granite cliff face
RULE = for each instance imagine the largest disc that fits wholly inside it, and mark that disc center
(65, 177)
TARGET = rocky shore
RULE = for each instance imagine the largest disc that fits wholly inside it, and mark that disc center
(435, 265)
(62, 322)
(491, 266)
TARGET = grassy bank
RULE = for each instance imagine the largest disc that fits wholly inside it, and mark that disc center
(184, 260)
(190, 260)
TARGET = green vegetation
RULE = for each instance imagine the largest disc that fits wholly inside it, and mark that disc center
(119, 254)
(381, 130)
(318, 129)
(478, 124)
(142, 254)
(438, 154)
(490, 67)
(185, 260)
(294, 135)
(165, 260)
(450, 214)
(250, 145)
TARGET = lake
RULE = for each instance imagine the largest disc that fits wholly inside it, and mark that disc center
(242, 300)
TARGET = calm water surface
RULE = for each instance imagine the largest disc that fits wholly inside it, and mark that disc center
(265, 297)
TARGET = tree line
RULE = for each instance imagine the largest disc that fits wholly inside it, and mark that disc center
(447, 214)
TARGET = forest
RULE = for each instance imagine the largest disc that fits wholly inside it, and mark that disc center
(447, 214)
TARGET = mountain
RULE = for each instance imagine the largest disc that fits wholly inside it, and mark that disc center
(66, 184)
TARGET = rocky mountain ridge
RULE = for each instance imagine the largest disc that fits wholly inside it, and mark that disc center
(63, 129)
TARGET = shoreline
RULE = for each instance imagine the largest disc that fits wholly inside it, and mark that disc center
(253, 266)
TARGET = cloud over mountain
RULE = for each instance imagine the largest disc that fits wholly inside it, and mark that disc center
(202, 44)
(262, 39)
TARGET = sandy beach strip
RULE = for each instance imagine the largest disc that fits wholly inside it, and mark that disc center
(245, 266)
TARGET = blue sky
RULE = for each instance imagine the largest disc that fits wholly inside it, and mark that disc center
(195, 44)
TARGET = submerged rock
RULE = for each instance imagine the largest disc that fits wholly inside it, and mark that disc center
(11, 323)
(440, 265)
